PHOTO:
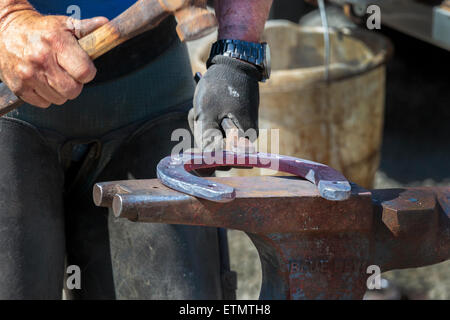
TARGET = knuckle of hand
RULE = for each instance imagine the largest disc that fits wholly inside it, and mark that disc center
(71, 90)
(17, 87)
(24, 72)
(51, 36)
(40, 55)
(74, 90)
(86, 72)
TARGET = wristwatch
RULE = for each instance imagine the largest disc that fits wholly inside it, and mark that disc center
(257, 54)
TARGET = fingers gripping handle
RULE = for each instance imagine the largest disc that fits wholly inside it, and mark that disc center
(194, 21)
(132, 22)
(174, 173)
(95, 44)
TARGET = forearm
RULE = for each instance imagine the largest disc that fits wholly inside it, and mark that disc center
(10, 6)
(242, 19)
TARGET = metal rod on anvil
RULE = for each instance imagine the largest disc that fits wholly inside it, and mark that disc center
(104, 193)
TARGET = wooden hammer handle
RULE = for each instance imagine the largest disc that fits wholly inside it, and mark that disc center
(140, 17)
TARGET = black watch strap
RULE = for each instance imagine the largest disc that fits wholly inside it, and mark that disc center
(251, 52)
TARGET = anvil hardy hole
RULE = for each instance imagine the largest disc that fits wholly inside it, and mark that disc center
(155, 187)
(212, 185)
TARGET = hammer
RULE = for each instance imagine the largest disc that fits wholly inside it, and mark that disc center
(194, 22)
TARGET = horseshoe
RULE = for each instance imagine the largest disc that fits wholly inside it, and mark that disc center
(174, 172)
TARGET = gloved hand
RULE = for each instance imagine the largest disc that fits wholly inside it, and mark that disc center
(229, 89)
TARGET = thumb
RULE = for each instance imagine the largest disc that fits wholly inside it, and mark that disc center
(81, 28)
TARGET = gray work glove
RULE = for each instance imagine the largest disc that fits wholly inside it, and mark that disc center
(229, 89)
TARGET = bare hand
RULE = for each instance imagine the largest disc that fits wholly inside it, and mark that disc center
(40, 58)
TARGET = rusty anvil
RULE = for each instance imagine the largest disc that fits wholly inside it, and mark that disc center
(312, 243)
(193, 21)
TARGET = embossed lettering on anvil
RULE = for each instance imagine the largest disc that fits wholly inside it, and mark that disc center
(326, 265)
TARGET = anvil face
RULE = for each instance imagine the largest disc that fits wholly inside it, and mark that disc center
(310, 247)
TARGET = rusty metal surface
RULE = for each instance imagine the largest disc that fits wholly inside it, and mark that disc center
(412, 227)
(310, 248)
(262, 205)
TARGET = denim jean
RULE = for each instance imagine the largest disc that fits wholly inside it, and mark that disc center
(49, 161)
